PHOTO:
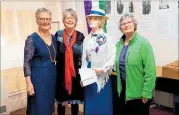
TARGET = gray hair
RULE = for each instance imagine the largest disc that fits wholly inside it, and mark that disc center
(39, 10)
(72, 12)
(124, 16)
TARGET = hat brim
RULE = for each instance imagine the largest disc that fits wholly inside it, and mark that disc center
(91, 15)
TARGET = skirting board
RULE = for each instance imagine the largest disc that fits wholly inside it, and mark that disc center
(17, 100)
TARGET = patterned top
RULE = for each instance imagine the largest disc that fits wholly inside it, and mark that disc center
(28, 54)
(77, 95)
(31, 54)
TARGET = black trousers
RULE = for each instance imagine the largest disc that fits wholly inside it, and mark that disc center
(132, 107)
(74, 109)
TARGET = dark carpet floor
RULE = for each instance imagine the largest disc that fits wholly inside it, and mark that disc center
(153, 111)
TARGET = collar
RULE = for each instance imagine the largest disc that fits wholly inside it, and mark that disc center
(96, 33)
(134, 38)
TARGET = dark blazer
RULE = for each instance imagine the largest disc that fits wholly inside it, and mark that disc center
(77, 90)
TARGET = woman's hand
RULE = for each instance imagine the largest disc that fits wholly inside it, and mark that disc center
(81, 83)
(144, 100)
(98, 71)
(64, 103)
(29, 86)
(30, 89)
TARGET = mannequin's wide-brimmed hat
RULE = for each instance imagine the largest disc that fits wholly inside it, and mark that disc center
(97, 12)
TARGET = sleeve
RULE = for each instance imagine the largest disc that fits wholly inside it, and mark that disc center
(56, 35)
(81, 38)
(57, 46)
(77, 48)
(60, 93)
(84, 54)
(28, 55)
(149, 70)
(59, 42)
(110, 59)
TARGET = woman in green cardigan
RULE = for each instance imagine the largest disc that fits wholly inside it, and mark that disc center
(136, 69)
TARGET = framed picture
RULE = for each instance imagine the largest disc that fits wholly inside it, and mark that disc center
(108, 7)
(131, 6)
(146, 7)
(163, 4)
(120, 7)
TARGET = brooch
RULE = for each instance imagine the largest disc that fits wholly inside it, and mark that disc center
(101, 39)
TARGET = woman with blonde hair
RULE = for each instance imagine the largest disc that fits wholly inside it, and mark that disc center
(98, 54)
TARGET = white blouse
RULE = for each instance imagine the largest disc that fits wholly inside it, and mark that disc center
(103, 59)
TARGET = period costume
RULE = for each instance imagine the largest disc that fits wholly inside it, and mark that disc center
(98, 52)
(69, 50)
(39, 64)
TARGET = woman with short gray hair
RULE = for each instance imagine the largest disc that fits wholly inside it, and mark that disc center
(69, 50)
(39, 66)
(123, 17)
(38, 11)
(136, 69)
(73, 14)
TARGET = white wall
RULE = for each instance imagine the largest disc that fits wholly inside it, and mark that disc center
(14, 94)
(22, 5)
(164, 33)
(160, 28)
(12, 52)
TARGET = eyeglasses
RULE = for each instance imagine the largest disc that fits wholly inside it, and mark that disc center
(123, 24)
(69, 18)
(43, 19)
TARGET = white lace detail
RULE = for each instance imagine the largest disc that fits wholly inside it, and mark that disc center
(102, 80)
(103, 60)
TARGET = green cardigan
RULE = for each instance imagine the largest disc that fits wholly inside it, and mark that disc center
(140, 68)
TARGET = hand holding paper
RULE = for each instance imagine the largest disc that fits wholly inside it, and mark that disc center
(98, 71)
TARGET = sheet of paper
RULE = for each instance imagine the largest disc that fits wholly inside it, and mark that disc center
(87, 73)
(88, 76)
(89, 81)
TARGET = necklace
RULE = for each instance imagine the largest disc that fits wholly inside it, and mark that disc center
(52, 60)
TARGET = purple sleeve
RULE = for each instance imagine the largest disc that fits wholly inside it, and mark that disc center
(28, 55)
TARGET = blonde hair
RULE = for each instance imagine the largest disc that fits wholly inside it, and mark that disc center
(99, 18)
